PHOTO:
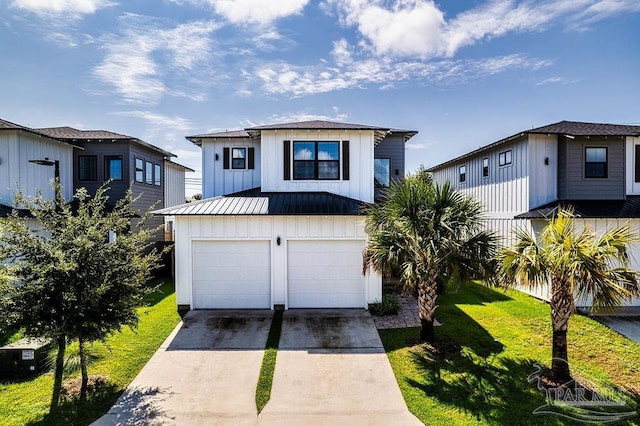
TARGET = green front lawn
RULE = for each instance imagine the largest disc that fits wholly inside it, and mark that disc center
(121, 357)
(485, 351)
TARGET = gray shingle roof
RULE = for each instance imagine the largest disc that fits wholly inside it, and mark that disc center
(5, 211)
(316, 124)
(575, 128)
(225, 134)
(255, 202)
(70, 134)
(7, 125)
(628, 208)
(572, 128)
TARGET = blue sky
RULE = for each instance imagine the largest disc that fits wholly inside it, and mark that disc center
(462, 73)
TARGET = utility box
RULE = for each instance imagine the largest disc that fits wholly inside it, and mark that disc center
(24, 357)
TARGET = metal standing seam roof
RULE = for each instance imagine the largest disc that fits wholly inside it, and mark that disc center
(255, 202)
(571, 128)
(595, 209)
(67, 133)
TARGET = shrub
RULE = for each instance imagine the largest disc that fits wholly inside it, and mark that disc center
(389, 305)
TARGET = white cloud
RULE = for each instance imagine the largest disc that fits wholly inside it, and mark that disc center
(261, 12)
(148, 61)
(58, 7)
(555, 80)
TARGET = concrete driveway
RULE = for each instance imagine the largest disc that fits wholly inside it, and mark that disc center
(205, 373)
(331, 369)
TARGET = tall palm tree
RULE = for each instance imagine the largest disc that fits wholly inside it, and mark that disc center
(576, 265)
(425, 232)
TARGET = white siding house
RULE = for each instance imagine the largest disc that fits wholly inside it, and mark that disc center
(280, 224)
(522, 179)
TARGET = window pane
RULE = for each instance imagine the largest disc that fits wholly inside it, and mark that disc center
(328, 170)
(597, 155)
(87, 167)
(304, 151)
(304, 170)
(381, 172)
(156, 174)
(149, 173)
(508, 157)
(113, 169)
(485, 167)
(238, 158)
(139, 170)
(328, 151)
(595, 170)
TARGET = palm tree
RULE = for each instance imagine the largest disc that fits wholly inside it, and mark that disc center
(424, 233)
(577, 265)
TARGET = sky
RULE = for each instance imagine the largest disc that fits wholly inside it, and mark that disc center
(462, 73)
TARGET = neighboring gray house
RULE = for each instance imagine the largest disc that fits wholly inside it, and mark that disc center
(128, 161)
(522, 179)
(280, 224)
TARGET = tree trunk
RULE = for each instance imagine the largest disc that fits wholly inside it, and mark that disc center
(83, 368)
(427, 308)
(57, 381)
(561, 309)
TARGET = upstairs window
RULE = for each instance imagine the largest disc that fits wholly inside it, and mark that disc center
(87, 167)
(485, 167)
(238, 158)
(139, 170)
(316, 160)
(157, 175)
(381, 172)
(148, 172)
(463, 173)
(113, 167)
(504, 158)
(595, 162)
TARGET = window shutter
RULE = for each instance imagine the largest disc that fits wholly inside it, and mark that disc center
(225, 158)
(251, 162)
(637, 163)
(345, 160)
(287, 160)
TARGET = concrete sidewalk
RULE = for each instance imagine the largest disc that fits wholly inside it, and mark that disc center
(627, 326)
(205, 373)
(331, 369)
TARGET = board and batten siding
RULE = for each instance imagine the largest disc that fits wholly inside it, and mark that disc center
(505, 192)
(572, 183)
(219, 181)
(16, 172)
(542, 154)
(269, 228)
(359, 186)
(633, 187)
(174, 184)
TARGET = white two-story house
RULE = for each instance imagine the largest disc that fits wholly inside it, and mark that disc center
(29, 161)
(522, 179)
(280, 221)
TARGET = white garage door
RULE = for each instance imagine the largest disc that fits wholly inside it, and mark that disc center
(325, 274)
(231, 275)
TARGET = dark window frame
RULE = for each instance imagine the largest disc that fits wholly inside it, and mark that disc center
(93, 177)
(316, 162)
(485, 167)
(242, 161)
(107, 167)
(148, 172)
(376, 182)
(503, 160)
(462, 173)
(588, 171)
(157, 175)
(139, 169)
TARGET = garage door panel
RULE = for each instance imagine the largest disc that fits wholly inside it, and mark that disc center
(231, 274)
(324, 274)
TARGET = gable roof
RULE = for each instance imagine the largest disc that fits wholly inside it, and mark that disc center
(256, 202)
(627, 208)
(178, 165)
(67, 133)
(7, 125)
(570, 128)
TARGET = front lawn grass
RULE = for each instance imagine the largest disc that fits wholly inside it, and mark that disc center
(265, 380)
(477, 371)
(121, 357)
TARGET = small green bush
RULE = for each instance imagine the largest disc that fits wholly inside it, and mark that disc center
(389, 305)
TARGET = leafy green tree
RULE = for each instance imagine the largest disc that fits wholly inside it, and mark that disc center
(73, 279)
(425, 232)
(576, 265)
